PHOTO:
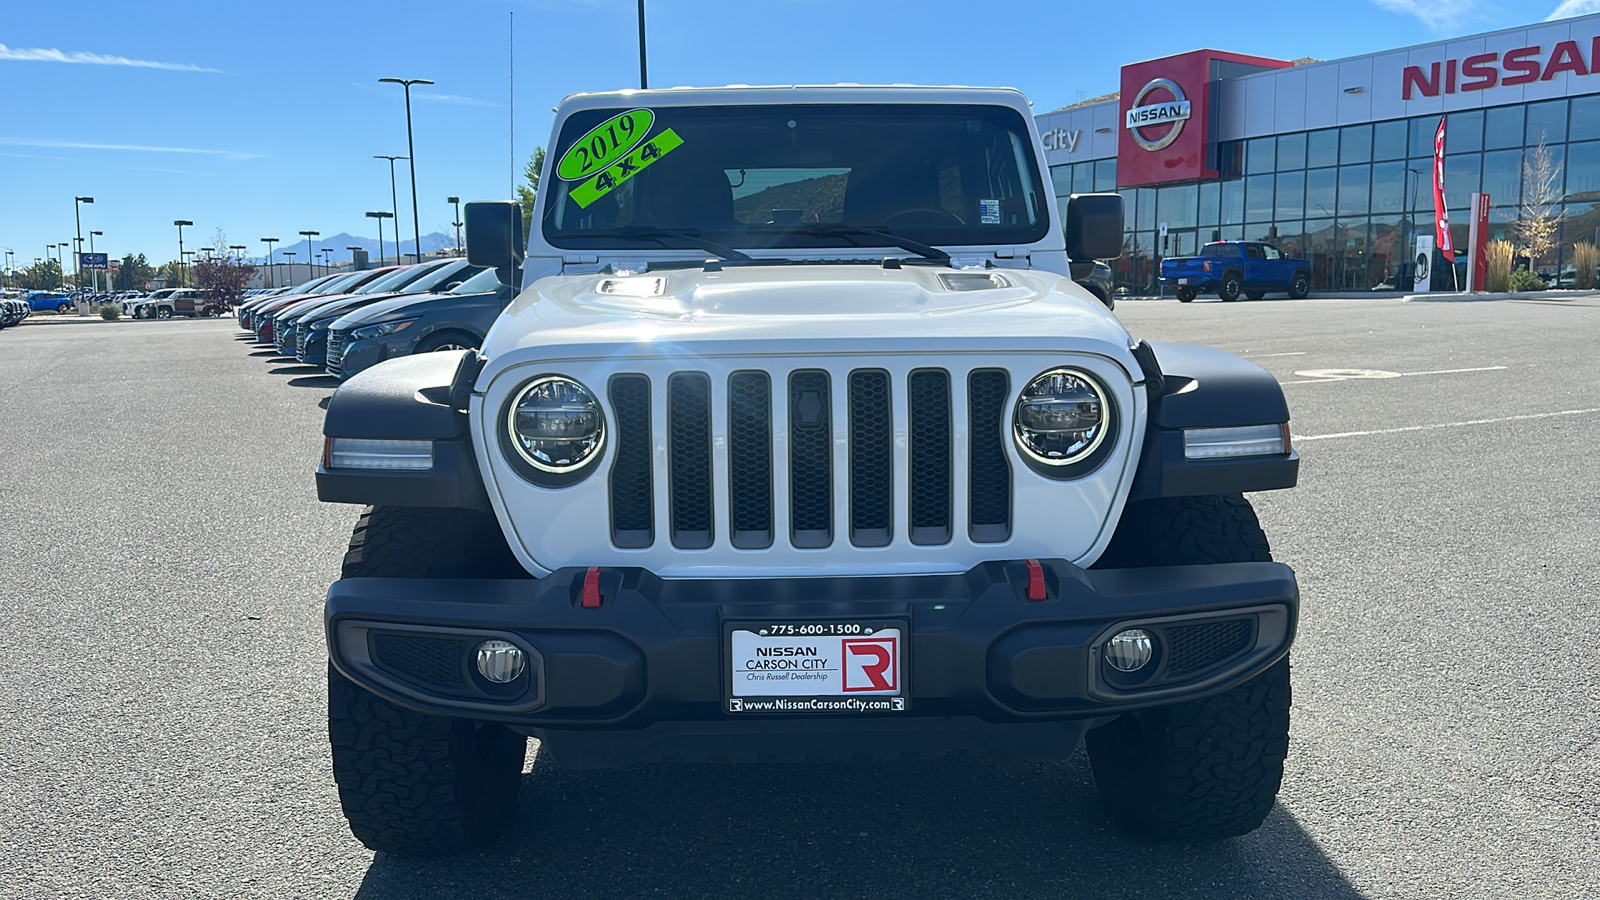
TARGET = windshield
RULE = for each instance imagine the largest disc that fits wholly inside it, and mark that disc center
(481, 283)
(431, 280)
(391, 281)
(338, 284)
(763, 176)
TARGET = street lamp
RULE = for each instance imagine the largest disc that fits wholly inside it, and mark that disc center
(380, 216)
(644, 78)
(394, 201)
(291, 254)
(95, 273)
(180, 223)
(353, 256)
(269, 242)
(411, 147)
(311, 250)
(457, 222)
(77, 204)
(238, 250)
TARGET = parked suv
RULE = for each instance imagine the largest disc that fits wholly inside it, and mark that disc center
(799, 441)
(454, 320)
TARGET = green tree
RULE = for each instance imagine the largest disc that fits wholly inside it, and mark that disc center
(41, 276)
(134, 272)
(528, 194)
(173, 273)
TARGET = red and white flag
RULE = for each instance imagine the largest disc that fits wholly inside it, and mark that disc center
(1441, 216)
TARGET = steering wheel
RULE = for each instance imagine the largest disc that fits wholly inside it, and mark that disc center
(941, 216)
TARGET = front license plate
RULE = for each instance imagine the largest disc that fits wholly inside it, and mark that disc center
(1183, 281)
(817, 667)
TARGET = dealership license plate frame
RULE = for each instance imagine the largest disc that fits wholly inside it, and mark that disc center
(866, 629)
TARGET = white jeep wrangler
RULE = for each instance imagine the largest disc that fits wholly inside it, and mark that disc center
(800, 442)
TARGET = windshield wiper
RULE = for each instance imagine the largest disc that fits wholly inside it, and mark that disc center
(652, 233)
(847, 229)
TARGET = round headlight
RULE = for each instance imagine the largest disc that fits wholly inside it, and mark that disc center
(556, 424)
(1061, 417)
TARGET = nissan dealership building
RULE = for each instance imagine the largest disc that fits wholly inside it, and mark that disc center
(1332, 161)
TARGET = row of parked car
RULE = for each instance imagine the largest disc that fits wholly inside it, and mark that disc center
(351, 321)
(13, 310)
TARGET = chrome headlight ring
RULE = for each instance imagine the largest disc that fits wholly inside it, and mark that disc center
(1064, 423)
(554, 430)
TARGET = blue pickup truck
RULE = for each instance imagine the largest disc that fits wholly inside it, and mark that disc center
(1231, 268)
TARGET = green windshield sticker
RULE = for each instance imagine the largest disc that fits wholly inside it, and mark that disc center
(605, 144)
(627, 167)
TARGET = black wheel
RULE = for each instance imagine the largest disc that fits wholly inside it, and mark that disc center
(163, 313)
(447, 340)
(63, 307)
(409, 782)
(1255, 295)
(1232, 285)
(1201, 769)
(1300, 286)
(1186, 294)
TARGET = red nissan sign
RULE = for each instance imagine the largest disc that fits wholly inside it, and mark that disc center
(1164, 134)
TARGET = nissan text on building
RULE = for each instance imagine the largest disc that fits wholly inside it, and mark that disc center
(1332, 161)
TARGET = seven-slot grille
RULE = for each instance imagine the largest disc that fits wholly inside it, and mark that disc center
(747, 517)
(336, 341)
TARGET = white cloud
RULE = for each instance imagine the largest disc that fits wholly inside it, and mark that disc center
(454, 99)
(1571, 8)
(1438, 15)
(38, 54)
(139, 148)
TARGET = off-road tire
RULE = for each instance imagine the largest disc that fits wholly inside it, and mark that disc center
(1202, 769)
(1232, 285)
(1300, 285)
(1255, 295)
(412, 783)
(1187, 294)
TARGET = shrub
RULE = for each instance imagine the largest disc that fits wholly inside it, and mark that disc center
(1586, 257)
(111, 312)
(1501, 254)
(1523, 280)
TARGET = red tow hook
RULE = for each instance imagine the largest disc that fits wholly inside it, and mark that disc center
(1037, 591)
(591, 589)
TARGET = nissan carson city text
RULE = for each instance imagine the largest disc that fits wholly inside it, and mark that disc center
(798, 441)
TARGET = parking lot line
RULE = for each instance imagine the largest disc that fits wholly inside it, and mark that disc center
(1300, 439)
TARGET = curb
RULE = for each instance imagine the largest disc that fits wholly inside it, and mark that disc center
(64, 320)
(1486, 297)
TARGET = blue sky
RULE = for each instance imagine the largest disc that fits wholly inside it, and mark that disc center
(262, 119)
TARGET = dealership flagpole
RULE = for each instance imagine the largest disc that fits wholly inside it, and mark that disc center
(1441, 215)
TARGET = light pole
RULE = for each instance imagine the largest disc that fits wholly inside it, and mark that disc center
(380, 216)
(291, 254)
(644, 78)
(95, 273)
(411, 147)
(457, 222)
(311, 250)
(238, 251)
(77, 274)
(327, 259)
(394, 201)
(353, 256)
(180, 223)
(269, 242)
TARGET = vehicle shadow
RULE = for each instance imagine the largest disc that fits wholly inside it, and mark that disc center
(323, 403)
(314, 381)
(268, 352)
(951, 828)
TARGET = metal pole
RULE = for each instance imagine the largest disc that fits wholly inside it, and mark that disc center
(411, 148)
(644, 70)
(77, 206)
(269, 242)
(394, 202)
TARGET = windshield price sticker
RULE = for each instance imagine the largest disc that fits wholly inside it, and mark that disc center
(624, 169)
(604, 144)
(822, 667)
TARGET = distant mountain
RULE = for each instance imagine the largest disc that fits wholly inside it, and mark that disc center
(339, 243)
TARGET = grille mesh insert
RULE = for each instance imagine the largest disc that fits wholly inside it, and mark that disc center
(1194, 647)
(990, 491)
(929, 406)
(689, 458)
(810, 459)
(871, 458)
(426, 660)
(750, 459)
(632, 495)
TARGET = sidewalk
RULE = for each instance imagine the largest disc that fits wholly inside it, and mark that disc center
(50, 318)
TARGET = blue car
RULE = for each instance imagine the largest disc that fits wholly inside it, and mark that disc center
(40, 301)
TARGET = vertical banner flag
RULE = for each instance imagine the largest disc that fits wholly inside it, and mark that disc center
(1441, 216)
(1478, 244)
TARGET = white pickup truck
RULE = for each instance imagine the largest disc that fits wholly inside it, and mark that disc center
(801, 442)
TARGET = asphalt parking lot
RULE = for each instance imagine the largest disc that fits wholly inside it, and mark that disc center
(162, 721)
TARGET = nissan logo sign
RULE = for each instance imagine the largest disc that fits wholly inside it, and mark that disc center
(1173, 112)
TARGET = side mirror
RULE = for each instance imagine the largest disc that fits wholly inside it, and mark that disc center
(495, 241)
(1094, 226)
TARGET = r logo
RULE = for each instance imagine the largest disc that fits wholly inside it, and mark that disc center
(871, 664)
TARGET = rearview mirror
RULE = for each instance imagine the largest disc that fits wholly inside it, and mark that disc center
(494, 238)
(1094, 226)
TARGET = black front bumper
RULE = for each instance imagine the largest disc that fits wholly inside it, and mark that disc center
(645, 674)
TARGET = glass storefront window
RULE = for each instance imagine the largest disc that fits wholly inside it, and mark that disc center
(1461, 175)
(1389, 140)
(1146, 217)
(1419, 172)
(1583, 171)
(1585, 118)
(1233, 203)
(1355, 190)
(1291, 240)
(1291, 152)
(1210, 203)
(1177, 206)
(1291, 196)
(1122, 270)
(1355, 144)
(1351, 238)
(1422, 131)
(1582, 224)
(1503, 128)
(1231, 233)
(1385, 249)
(1083, 178)
(1464, 133)
(1061, 177)
(1260, 156)
(1130, 209)
(1389, 188)
(1502, 177)
(1258, 198)
(1555, 188)
(1547, 122)
(1322, 148)
(1322, 190)
(1105, 175)
(1230, 159)
(1320, 247)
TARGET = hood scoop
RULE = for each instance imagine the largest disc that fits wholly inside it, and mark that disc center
(974, 281)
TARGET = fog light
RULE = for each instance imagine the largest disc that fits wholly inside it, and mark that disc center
(1127, 651)
(501, 662)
